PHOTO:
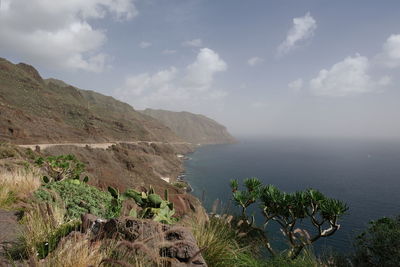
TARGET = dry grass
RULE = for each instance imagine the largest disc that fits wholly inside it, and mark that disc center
(76, 251)
(17, 185)
(219, 240)
(40, 222)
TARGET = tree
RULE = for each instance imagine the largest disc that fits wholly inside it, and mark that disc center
(379, 244)
(288, 209)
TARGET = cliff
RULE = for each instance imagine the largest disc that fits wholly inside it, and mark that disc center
(194, 128)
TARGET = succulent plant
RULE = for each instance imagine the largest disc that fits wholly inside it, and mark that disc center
(152, 205)
(289, 208)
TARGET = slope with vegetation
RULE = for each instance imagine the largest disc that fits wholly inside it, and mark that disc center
(193, 128)
(34, 110)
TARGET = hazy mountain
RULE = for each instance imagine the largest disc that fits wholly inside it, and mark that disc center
(36, 110)
(193, 128)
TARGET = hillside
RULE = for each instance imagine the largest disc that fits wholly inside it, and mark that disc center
(193, 128)
(34, 110)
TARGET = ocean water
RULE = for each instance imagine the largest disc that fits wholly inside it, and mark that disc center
(363, 173)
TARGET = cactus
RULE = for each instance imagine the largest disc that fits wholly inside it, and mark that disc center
(114, 192)
(155, 200)
(151, 204)
(151, 190)
(166, 194)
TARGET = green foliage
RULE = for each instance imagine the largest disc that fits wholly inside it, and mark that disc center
(7, 151)
(152, 206)
(7, 198)
(114, 192)
(80, 198)
(61, 167)
(180, 185)
(288, 210)
(379, 245)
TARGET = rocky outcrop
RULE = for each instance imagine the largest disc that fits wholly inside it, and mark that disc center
(158, 241)
(194, 128)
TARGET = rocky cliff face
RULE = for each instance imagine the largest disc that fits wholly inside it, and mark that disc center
(34, 110)
(193, 128)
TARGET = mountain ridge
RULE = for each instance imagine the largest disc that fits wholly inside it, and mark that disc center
(35, 110)
(193, 128)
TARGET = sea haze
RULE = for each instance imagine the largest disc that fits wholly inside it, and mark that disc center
(363, 173)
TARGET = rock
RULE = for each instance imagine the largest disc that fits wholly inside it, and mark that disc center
(9, 229)
(156, 239)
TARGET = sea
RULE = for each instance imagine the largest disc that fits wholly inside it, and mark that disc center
(365, 174)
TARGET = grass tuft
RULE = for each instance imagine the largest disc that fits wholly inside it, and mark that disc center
(17, 184)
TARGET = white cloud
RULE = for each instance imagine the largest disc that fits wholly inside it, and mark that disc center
(200, 73)
(193, 43)
(58, 34)
(303, 28)
(390, 55)
(254, 61)
(348, 77)
(168, 87)
(169, 52)
(144, 44)
(296, 85)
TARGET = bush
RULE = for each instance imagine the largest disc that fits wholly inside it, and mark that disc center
(79, 198)
(221, 243)
(379, 245)
(61, 167)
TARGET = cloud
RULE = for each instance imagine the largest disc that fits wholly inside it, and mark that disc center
(390, 55)
(200, 73)
(144, 44)
(57, 34)
(169, 52)
(170, 86)
(303, 28)
(254, 61)
(296, 85)
(193, 43)
(348, 77)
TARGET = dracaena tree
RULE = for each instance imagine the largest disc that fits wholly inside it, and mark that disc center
(289, 210)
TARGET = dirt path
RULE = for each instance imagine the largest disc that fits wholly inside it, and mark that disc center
(100, 145)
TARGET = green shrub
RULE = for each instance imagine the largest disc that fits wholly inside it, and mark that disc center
(80, 198)
(180, 185)
(61, 167)
(379, 245)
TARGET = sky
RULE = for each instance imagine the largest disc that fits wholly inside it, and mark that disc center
(310, 68)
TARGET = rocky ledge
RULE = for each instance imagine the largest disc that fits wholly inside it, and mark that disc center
(160, 242)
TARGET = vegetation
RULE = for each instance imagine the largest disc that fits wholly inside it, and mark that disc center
(79, 198)
(61, 167)
(289, 210)
(152, 206)
(220, 241)
(379, 245)
(17, 185)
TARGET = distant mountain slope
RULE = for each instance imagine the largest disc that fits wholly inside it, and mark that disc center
(193, 128)
(33, 110)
